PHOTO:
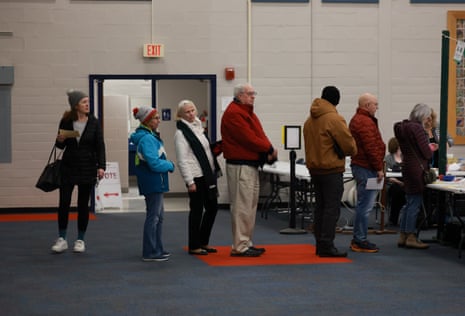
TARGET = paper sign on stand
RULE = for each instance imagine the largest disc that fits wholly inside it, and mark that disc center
(108, 191)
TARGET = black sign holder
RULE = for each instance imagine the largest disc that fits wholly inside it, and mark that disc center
(292, 141)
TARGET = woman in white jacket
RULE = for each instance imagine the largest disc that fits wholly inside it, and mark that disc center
(199, 169)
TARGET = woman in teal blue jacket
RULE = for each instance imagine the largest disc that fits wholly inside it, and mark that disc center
(152, 169)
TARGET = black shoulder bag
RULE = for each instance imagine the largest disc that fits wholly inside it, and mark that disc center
(50, 179)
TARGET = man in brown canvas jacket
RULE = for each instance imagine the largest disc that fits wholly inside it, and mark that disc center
(327, 142)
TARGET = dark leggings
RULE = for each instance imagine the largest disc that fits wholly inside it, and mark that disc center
(66, 191)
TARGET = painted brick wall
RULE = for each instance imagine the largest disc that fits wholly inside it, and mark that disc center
(391, 49)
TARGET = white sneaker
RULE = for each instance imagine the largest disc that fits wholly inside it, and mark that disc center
(60, 245)
(79, 246)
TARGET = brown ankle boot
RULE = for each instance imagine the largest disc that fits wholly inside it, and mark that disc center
(413, 242)
(402, 239)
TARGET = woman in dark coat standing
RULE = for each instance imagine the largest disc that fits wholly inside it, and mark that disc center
(416, 152)
(81, 137)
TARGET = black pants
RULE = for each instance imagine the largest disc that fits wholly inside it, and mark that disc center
(200, 222)
(328, 194)
(66, 191)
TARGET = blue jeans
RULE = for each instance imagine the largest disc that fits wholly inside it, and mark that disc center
(409, 213)
(365, 201)
(152, 245)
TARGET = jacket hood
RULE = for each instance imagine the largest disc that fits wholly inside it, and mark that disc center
(140, 132)
(321, 107)
(402, 130)
(399, 128)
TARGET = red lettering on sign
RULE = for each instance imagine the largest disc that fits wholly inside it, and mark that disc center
(110, 175)
(153, 50)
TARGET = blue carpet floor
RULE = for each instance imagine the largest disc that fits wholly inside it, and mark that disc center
(111, 279)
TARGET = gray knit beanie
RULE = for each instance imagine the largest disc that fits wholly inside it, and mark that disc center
(74, 96)
(144, 113)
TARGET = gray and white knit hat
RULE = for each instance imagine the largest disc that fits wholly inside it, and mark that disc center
(144, 113)
(74, 96)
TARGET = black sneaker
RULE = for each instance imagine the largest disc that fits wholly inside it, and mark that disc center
(248, 253)
(159, 259)
(210, 250)
(198, 252)
(261, 250)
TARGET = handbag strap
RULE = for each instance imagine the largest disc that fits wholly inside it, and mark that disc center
(54, 153)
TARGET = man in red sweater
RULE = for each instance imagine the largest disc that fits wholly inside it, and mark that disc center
(367, 163)
(245, 148)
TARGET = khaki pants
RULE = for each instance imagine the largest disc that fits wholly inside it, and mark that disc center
(243, 185)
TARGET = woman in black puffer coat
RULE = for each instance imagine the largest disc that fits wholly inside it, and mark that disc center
(83, 163)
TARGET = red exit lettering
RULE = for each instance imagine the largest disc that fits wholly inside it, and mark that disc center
(153, 50)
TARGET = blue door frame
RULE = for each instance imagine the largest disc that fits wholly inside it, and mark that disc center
(154, 78)
(99, 79)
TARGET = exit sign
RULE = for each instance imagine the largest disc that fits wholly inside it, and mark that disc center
(154, 50)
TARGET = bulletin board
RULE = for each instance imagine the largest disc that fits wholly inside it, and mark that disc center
(456, 81)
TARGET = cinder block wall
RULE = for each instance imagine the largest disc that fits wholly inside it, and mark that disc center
(392, 49)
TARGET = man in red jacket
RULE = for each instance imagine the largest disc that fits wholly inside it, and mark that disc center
(367, 163)
(245, 148)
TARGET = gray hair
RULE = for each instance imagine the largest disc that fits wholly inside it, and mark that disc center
(240, 88)
(420, 112)
(181, 106)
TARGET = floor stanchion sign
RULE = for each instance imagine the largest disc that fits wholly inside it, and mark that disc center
(108, 190)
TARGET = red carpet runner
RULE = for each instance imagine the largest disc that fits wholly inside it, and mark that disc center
(39, 217)
(274, 255)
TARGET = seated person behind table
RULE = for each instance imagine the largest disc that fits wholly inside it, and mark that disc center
(395, 186)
